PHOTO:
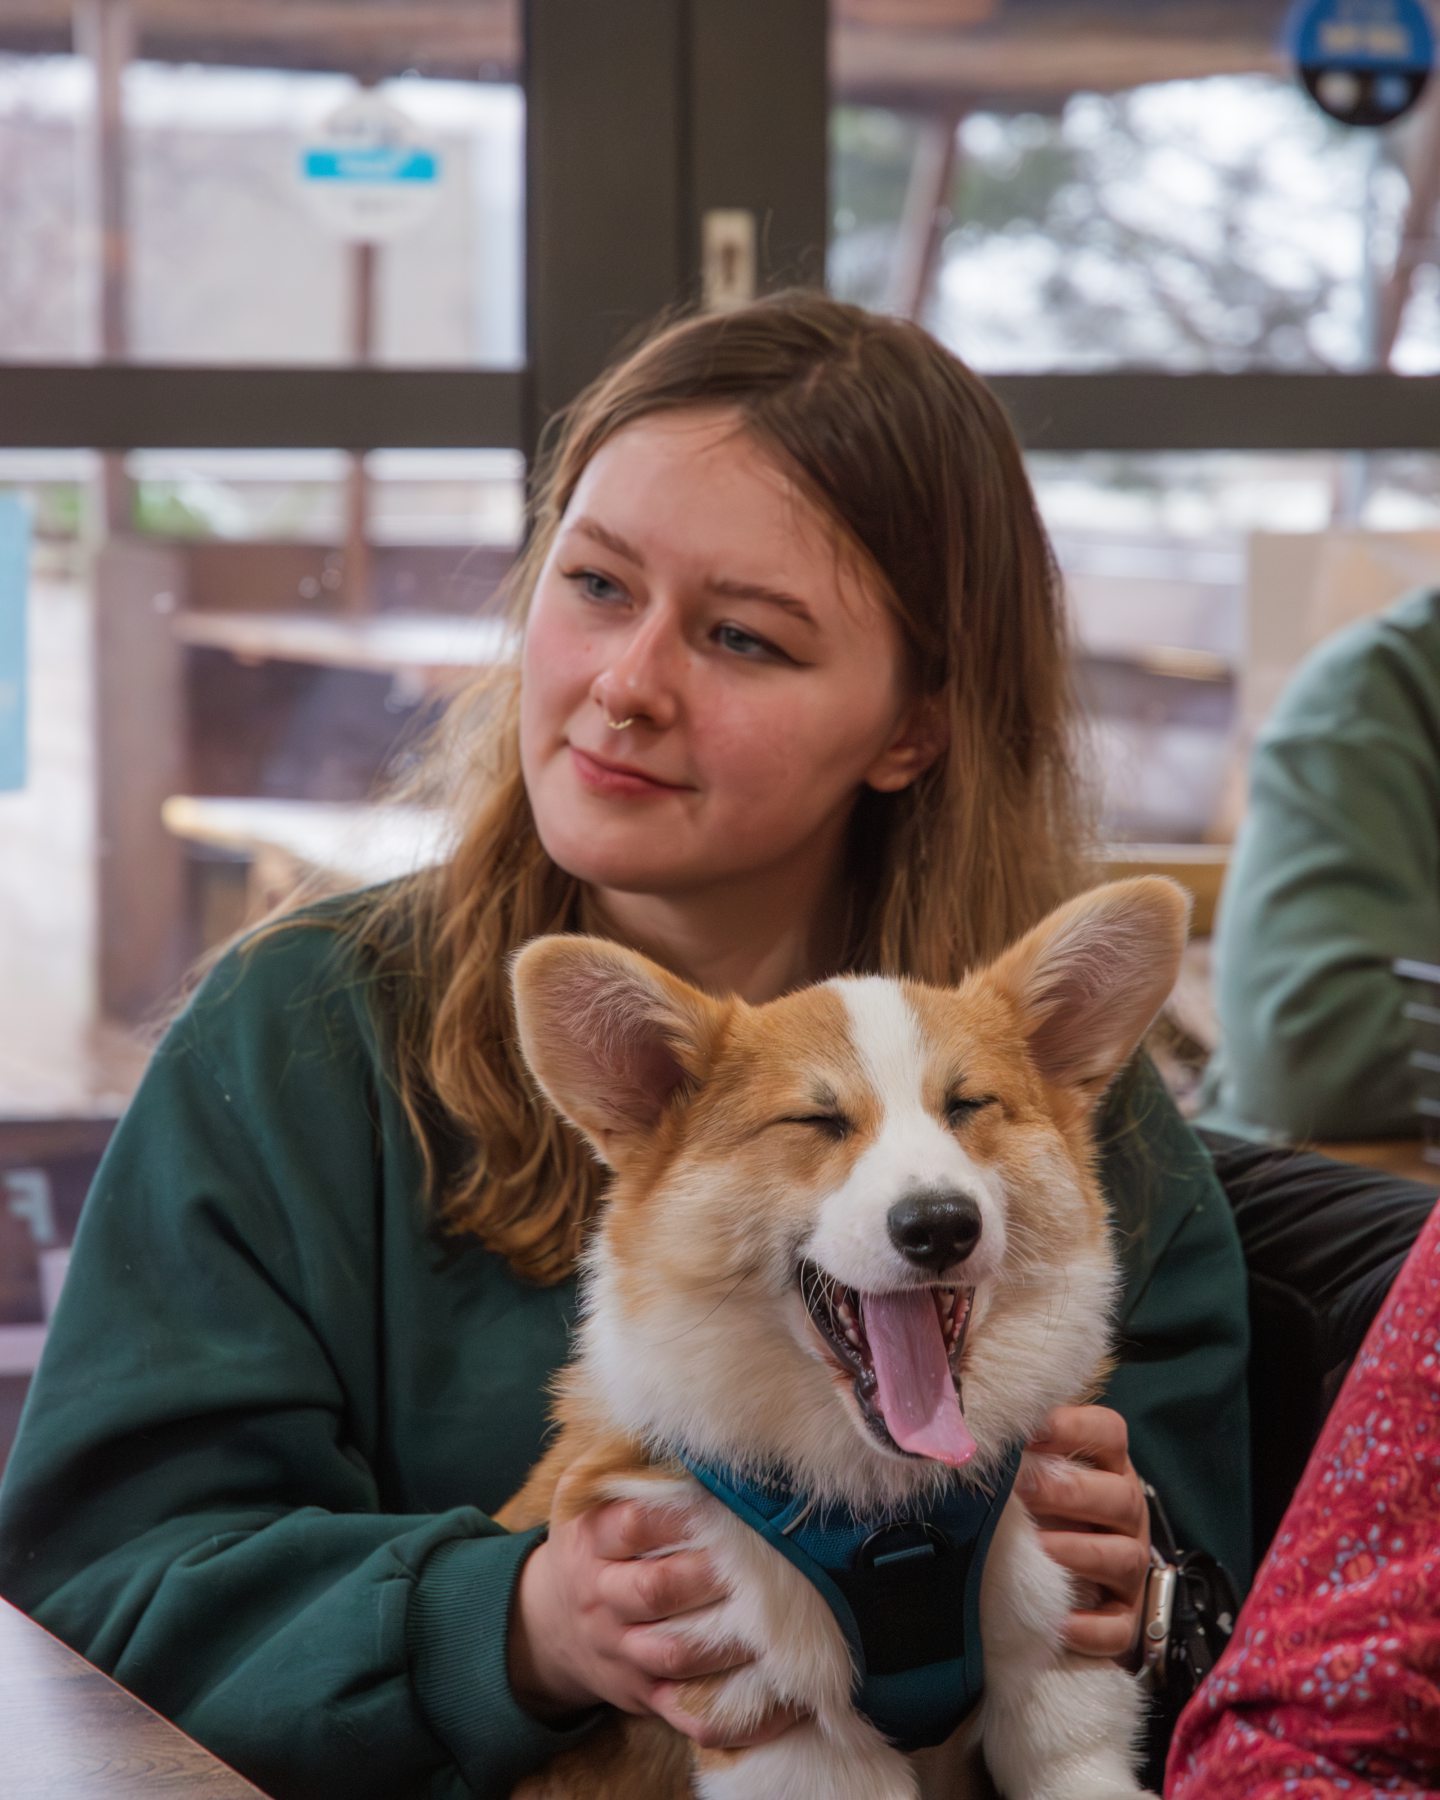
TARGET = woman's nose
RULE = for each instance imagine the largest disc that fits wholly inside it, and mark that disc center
(641, 679)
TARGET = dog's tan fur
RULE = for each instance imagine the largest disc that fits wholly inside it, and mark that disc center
(688, 1099)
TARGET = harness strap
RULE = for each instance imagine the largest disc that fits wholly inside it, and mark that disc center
(906, 1593)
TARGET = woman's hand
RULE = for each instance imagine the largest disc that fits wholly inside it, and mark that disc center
(1094, 1522)
(590, 1621)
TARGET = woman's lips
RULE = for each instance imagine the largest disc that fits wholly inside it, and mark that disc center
(609, 778)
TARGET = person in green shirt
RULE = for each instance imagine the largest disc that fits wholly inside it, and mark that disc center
(791, 698)
(1336, 874)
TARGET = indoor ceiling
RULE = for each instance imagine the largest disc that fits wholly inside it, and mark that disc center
(930, 54)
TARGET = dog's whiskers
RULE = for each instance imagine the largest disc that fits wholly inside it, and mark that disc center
(816, 1284)
(814, 1290)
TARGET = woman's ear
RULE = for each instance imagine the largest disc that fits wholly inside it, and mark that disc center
(1088, 980)
(921, 738)
(611, 1038)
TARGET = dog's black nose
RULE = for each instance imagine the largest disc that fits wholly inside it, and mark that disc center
(935, 1227)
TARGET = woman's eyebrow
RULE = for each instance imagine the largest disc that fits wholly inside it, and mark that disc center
(612, 540)
(755, 590)
(715, 584)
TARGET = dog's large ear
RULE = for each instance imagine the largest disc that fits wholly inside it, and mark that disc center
(610, 1037)
(1088, 980)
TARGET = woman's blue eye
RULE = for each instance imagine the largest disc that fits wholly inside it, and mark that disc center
(595, 586)
(742, 643)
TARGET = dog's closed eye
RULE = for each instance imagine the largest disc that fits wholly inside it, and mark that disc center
(833, 1125)
(960, 1107)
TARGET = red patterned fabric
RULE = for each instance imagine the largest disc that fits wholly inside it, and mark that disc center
(1331, 1685)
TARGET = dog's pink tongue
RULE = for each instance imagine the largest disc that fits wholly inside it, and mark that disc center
(916, 1390)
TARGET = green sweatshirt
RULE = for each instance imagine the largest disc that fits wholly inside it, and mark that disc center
(277, 1407)
(1336, 873)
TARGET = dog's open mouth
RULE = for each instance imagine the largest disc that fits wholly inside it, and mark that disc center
(902, 1351)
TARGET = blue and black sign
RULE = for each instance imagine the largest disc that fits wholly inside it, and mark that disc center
(1362, 61)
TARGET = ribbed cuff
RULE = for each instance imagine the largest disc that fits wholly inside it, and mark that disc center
(457, 1631)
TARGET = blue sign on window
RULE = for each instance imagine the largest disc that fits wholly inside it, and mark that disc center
(14, 585)
(1363, 61)
(371, 163)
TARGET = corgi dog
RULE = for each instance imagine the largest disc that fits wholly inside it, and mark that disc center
(853, 1253)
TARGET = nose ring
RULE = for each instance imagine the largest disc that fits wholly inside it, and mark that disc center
(621, 724)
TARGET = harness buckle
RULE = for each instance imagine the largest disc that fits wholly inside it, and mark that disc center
(909, 1541)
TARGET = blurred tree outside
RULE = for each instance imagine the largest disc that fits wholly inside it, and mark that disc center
(1218, 224)
(42, 270)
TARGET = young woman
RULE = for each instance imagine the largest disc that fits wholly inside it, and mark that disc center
(792, 699)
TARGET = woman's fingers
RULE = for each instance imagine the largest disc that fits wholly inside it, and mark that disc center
(642, 1577)
(657, 1587)
(1117, 1565)
(666, 1656)
(1110, 1630)
(1067, 1493)
(624, 1529)
(1095, 1434)
(1082, 1490)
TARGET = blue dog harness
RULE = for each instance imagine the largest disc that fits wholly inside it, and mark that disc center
(906, 1593)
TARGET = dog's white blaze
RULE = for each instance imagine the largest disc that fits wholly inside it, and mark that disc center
(886, 1035)
(911, 1150)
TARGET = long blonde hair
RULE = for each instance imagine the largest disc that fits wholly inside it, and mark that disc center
(913, 458)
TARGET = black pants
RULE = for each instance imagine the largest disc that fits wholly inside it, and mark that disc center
(1323, 1241)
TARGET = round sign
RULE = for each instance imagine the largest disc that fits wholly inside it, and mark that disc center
(1362, 61)
(364, 171)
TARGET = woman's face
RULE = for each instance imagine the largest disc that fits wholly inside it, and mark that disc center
(695, 592)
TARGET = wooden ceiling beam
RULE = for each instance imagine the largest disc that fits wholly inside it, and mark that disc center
(905, 15)
(920, 54)
(979, 70)
(367, 40)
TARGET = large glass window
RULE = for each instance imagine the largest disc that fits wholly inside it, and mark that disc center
(326, 184)
(1055, 189)
(241, 255)
(1013, 184)
(48, 270)
(213, 707)
(56, 1057)
(1195, 583)
(230, 650)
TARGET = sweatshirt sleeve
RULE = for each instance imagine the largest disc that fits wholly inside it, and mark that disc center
(1336, 873)
(188, 1504)
(1183, 1336)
